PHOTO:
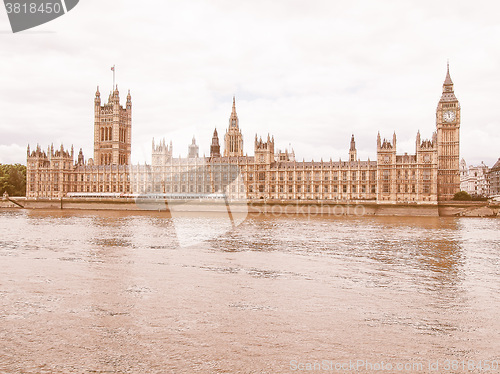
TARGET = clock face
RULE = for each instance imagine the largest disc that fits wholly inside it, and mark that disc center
(449, 116)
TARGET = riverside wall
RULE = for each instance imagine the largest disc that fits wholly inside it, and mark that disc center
(272, 207)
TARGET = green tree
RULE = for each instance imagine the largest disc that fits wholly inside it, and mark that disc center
(13, 179)
(462, 196)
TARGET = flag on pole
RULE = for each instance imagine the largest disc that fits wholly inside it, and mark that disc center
(113, 68)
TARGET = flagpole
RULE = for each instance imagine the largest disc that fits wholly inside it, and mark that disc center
(113, 76)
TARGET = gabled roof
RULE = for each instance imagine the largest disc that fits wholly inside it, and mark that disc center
(496, 167)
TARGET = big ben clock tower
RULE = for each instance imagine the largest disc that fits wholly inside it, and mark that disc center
(448, 135)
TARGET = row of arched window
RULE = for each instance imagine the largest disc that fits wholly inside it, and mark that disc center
(106, 159)
(107, 134)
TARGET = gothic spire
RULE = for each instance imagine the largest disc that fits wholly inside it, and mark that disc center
(353, 144)
(448, 94)
(448, 81)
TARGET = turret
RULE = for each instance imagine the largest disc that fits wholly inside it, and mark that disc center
(129, 100)
(215, 147)
(352, 150)
(81, 159)
(193, 149)
(97, 100)
(233, 139)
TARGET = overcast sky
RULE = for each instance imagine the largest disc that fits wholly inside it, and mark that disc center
(309, 72)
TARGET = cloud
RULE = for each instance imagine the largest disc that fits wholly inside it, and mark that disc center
(12, 154)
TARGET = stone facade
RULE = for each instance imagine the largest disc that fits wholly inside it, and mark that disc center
(54, 174)
(448, 141)
(429, 175)
(474, 179)
(112, 130)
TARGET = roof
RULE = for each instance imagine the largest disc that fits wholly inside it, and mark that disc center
(496, 167)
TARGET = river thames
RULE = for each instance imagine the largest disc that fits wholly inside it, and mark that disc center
(114, 292)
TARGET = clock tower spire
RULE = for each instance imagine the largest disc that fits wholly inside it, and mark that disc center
(448, 136)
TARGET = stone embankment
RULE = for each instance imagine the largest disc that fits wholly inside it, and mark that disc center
(272, 207)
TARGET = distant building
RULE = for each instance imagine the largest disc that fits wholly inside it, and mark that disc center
(474, 179)
(431, 174)
(494, 179)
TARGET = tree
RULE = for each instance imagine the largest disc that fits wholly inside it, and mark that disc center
(462, 196)
(13, 179)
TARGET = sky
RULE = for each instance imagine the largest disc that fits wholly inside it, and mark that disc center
(311, 73)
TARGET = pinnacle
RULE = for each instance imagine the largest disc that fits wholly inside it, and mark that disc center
(448, 81)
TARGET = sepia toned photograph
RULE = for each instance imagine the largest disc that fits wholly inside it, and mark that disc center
(249, 187)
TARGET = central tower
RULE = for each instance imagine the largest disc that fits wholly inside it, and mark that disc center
(233, 140)
(448, 135)
(112, 130)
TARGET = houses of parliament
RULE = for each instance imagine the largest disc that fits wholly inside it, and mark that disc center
(429, 175)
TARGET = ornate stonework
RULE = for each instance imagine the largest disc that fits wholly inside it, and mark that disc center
(429, 175)
(233, 140)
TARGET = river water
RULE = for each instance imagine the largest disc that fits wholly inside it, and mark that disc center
(111, 292)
